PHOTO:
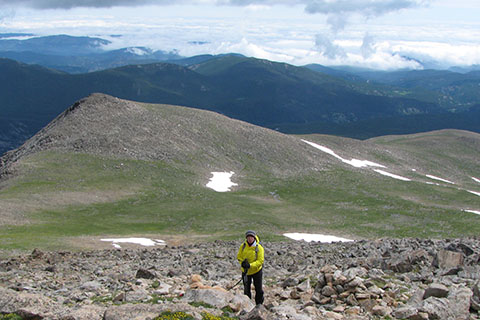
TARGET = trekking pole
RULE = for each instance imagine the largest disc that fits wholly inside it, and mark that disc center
(236, 284)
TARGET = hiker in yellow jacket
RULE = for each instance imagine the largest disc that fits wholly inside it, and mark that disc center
(250, 256)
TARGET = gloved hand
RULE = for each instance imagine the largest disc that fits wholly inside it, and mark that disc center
(245, 264)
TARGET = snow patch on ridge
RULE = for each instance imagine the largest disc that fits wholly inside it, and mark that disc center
(221, 181)
(439, 179)
(472, 211)
(141, 241)
(354, 162)
(474, 192)
(365, 163)
(391, 175)
(308, 237)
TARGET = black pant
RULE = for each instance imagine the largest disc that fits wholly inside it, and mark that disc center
(257, 282)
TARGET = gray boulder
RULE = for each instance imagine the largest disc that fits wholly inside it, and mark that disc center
(29, 305)
(446, 259)
(459, 299)
(133, 312)
(470, 272)
(475, 300)
(241, 302)
(259, 313)
(456, 306)
(213, 297)
(437, 308)
(436, 290)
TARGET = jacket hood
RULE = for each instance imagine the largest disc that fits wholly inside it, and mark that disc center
(257, 240)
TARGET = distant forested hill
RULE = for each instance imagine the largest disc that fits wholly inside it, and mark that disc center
(275, 95)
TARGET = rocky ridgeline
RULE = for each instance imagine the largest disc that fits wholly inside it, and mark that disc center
(380, 279)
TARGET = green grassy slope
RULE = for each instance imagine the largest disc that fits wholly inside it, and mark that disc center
(84, 178)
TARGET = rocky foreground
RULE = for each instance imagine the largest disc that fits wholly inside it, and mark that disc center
(381, 279)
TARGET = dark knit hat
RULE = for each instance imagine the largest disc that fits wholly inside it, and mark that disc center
(250, 233)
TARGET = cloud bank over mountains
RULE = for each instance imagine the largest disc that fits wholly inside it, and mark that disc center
(381, 34)
(338, 10)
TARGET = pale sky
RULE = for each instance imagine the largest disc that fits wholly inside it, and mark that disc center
(385, 34)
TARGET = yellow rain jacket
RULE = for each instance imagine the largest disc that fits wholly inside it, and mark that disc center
(253, 254)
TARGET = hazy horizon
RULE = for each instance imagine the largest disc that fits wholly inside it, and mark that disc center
(388, 34)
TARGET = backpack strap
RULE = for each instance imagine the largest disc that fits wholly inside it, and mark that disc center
(256, 249)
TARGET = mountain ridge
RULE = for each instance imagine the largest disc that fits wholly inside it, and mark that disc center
(81, 128)
(273, 95)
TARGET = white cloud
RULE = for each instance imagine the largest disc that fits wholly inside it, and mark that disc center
(339, 12)
(6, 13)
(327, 47)
(274, 30)
(367, 47)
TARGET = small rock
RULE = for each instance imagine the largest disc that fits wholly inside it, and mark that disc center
(381, 311)
(91, 286)
(140, 295)
(163, 289)
(436, 290)
(353, 311)
(328, 291)
(354, 283)
(289, 282)
(351, 300)
(333, 315)
(37, 254)
(144, 274)
(304, 286)
(119, 297)
(294, 294)
(50, 269)
(405, 312)
(339, 309)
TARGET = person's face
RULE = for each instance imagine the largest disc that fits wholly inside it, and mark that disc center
(250, 239)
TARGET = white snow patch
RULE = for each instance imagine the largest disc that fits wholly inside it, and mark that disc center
(439, 179)
(474, 192)
(472, 211)
(476, 180)
(221, 182)
(308, 237)
(391, 175)
(354, 162)
(141, 241)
